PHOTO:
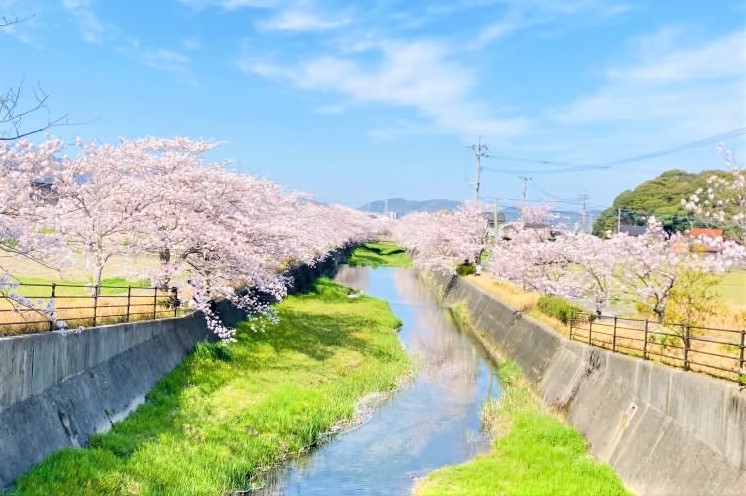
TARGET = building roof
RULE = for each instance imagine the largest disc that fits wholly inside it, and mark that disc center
(706, 232)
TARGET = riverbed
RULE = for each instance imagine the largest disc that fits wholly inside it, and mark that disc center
(431, 421)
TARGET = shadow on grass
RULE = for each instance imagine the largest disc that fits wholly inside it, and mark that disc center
(183, 436)
(376, 254)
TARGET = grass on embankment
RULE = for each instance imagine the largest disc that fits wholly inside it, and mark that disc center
(533, 453)
(226, 413)
(379, 253)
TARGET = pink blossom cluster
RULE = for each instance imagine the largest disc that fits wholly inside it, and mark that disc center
(552, 261)
(723, 201)
(161, 197)
(442, 240)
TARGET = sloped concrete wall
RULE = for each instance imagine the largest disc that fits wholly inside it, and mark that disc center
(665, 431)
(56, 390)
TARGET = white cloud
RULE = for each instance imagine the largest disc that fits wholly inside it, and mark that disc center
(330, 109)
(721, 58)
(415, 74)
(520, 15)
(300, 18)
(498, 30)
(700, 87)
(230, 4)
(166, 60)
(191, 44)
(91, 27)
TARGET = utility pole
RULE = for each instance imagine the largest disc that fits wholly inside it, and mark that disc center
(618, 220)
(584, 199)
(494, 215)
(525, 187)
(480, 151)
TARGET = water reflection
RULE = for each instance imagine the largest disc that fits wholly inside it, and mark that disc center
(433, 421)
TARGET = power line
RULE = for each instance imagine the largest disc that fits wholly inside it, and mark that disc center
(575, 167)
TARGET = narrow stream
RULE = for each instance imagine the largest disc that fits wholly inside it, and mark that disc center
(431, 422)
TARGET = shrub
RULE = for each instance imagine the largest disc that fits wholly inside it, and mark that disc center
(559, 308)
(466, 269)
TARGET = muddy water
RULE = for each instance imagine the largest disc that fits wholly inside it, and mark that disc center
(431, 422)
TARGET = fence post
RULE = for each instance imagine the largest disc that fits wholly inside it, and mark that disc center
(613, 337)
(155, 300)
(95, 304)
(741, 365)
(590, 332)
(129, 299)
(52, 296)
(686, 346)
(645, 342)
(572, 321)
(176, 300)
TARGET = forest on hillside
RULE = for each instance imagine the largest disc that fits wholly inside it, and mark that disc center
(660, 197)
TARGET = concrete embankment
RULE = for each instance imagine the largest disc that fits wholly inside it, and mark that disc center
(665, 431)
(56, 390)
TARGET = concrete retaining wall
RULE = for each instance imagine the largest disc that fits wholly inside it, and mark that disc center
(665, 431)
(56, 390)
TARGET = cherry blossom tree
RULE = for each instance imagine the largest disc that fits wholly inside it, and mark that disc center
(529, 259)
(723, 201)
(595, 261)
(101, 196)
(442, 240)
(232, 235)
(23, 167)
(656, 261)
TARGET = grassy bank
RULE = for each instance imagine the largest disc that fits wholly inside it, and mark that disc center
(380, 253)
(225, 414)
(533, 453)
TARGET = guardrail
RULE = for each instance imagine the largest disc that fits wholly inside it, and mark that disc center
(82, 306)
(717, 352)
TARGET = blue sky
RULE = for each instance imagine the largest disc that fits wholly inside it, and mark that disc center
(358, 101)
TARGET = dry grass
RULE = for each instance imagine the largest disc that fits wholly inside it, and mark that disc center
(128, 267)
(75, 306)
(79, 311)
(506, 291)
(715, 351)
(712, 351)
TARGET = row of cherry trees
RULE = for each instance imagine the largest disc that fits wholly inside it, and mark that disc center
(649, 269)
(161, 197)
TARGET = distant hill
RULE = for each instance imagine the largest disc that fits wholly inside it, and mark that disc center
(660, 197)
(402, 206)
(508, 214)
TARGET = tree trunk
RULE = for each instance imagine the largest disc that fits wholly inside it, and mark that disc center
(164, 255)
(98, 272)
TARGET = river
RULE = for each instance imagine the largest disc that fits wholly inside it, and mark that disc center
(430, 422)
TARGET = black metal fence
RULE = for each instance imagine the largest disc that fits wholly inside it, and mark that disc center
(77, 306)
(718, 352)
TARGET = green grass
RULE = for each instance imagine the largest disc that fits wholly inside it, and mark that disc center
(380, 253)
(733, 288)
(534, 452)
(227, 413)
(61, 291)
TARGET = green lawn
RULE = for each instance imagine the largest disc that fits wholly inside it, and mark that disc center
(225, 414)
(733, 288)
(380, 253)
(533, 453)
(62, 291)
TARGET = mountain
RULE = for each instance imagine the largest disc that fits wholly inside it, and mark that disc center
(402, 206)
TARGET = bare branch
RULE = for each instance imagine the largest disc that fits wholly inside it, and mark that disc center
(9, 21)
(13, 113)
